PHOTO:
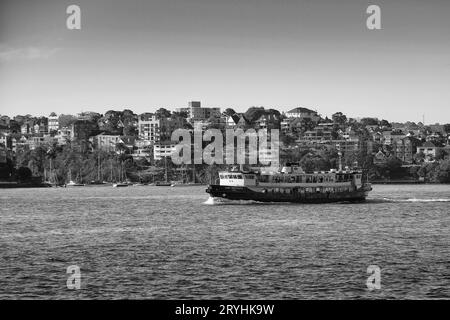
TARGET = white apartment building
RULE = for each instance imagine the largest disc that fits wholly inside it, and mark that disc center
(53, 122)
(106, 142)
(161, 150)
(198, 113)
(154, 129)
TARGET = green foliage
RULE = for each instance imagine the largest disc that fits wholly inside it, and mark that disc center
(24, 174)
(339, 118)
(442, 172)
(163, 113)
(369, 121)
(66, 120)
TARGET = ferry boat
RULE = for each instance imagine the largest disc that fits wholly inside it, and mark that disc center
(292, 184)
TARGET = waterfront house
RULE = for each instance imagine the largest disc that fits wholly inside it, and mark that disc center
(405, 148)
(105, 142)
(380, 158)
(429, 150)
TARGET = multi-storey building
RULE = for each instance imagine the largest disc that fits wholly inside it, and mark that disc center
(163, 149)
(391, 137)
(318, 134)
(405, 148)
(53, 122)
(155, 129)
(429, 150)
(199, 113)
(106, 142)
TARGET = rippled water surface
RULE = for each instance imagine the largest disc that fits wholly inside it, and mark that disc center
(162, 242)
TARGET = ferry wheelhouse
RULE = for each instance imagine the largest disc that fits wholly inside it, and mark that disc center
(291, 184)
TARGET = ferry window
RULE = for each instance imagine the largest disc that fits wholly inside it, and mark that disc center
(221, 176)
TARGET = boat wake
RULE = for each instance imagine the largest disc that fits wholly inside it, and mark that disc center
(221, 201)
(393, 200)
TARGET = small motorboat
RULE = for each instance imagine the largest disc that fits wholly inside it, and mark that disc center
(74, 184)
(120, 185)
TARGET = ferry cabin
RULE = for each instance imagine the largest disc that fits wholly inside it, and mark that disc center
(288, 178)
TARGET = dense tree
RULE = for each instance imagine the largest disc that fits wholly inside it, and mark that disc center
(163, 113)
(385, 123)
(447, 128)
(24, 174)
(66, 120)
(442, 174)
(339, 118)
(254, 113)
(369, 121)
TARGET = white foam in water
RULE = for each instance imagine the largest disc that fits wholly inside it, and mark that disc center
(415, 200)
(210, 201)
(218, 201)
(427, 200)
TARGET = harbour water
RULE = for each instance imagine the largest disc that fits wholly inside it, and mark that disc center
(172, 243)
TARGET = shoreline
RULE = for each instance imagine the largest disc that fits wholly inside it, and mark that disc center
(15, 185)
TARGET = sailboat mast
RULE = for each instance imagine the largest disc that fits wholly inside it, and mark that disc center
(165, 165)
(51, 171)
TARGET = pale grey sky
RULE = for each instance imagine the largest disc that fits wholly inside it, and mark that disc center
(276, 53)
